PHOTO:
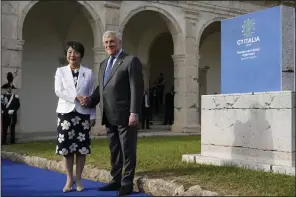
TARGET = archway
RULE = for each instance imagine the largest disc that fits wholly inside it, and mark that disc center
(152, 37)
(46, 28)
(210, 60)
(160, 61)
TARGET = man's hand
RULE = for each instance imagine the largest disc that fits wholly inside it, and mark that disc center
(133, 120)
(10, 112)
(80, 98)
(83, 100)
(92, 123)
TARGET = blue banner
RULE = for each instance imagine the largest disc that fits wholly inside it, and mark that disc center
(251, 52)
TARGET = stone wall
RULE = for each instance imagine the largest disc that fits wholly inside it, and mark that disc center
(252, 130)
(185, 20)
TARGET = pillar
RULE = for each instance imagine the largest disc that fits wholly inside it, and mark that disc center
(202, 87)
(185, 119)
(12, 50)
(112, 12)
(186, 83)
(99, 56)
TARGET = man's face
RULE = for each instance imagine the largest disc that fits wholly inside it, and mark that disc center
(112, 45)
(9, 90)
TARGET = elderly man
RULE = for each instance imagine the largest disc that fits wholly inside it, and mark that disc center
(120, 91)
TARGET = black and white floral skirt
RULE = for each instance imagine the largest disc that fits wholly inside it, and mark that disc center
(73, 134)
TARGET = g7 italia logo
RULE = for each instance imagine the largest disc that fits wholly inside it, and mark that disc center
(248, 29)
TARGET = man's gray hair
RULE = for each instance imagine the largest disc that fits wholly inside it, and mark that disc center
(112, 33)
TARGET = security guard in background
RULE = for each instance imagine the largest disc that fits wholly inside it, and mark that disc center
(9, 105)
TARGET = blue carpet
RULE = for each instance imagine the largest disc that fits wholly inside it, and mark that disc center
(24, 180)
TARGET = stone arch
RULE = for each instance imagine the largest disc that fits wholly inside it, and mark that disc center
(204, 26)
(147, 40)
(209, 71)
(90, 13)
(203, 70)
(56, 31)
(169, 20)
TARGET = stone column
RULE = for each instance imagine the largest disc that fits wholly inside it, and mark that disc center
(11, 45)
(99, 56)
(186, 84)
(202, 71)
(12, 50)
(11, 61)
(185, 119)
(198, 97)
(112, 9)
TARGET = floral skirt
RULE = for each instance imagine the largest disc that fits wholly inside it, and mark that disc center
(73, 134)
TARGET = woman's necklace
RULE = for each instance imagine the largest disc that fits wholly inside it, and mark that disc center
(75, 68)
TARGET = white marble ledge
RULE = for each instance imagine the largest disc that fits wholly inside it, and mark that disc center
(252, 93)
(268, 100)
(198, 158)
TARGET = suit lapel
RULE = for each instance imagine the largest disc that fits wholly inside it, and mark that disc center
(81, 78)
(102, 73)
(115, 66)
(69, 76)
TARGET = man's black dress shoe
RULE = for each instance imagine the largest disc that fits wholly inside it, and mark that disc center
(125, 190)
(110, 187)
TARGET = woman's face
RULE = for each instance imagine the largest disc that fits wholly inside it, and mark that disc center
(73, 56)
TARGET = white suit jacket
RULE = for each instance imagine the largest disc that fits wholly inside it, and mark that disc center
(66, 91)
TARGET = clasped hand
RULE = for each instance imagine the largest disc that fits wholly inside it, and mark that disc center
(84, 101)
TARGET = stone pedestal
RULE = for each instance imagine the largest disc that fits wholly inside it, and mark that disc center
(256, 131)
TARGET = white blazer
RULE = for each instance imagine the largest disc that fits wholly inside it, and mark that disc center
(66, 91)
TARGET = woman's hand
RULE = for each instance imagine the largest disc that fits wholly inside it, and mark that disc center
(80, 98)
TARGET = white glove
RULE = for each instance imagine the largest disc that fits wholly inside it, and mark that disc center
(10, 112)
(1, 111)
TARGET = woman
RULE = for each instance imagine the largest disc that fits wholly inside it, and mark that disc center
(72, 83)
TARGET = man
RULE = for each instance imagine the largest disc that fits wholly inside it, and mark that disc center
(120, 92)
(10, 79)
(169, 107)
(160, 87)
(145, 116)
(155, 100)
(151, 105)
(9, 106)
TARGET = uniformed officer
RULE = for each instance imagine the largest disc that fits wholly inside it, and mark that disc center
(9, 106)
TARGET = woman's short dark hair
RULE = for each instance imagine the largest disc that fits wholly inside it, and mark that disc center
(77, 46)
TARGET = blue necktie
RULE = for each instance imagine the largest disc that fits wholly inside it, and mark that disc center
(108, 70)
